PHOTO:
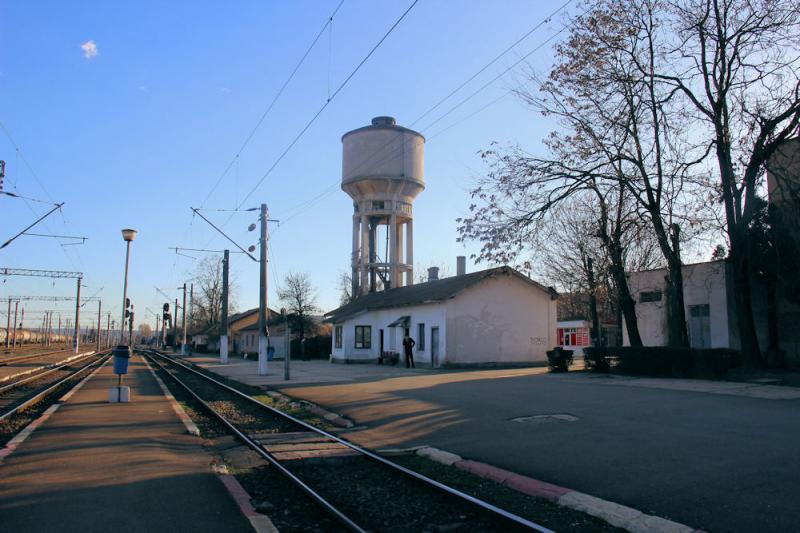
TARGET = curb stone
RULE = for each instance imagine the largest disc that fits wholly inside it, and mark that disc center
(615, 514)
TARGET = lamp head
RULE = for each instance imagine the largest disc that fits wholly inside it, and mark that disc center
(129, 234)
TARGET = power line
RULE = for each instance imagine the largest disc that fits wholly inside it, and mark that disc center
(397, 152)
(327, 102)
(249, 137)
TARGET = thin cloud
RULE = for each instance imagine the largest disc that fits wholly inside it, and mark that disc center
(89, 49)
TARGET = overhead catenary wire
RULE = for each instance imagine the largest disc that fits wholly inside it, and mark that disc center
(397, 152)
(327, 102)
(328, 22)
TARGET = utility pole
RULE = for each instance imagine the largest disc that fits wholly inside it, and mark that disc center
(78, 317)
(99, 316)
(223, 326)
(8, 325)
(108, 330)
(191, 307)
(183, 322)
(16, 308)
(175, 325)
(263, 334)
(286, 343)
(59, 326)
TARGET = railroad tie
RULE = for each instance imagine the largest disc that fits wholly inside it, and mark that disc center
(302, 445)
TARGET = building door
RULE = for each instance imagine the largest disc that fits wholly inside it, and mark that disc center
(434, 347)
(382, 350)
(700, 326)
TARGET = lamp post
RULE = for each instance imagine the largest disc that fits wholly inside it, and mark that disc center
(128, 235)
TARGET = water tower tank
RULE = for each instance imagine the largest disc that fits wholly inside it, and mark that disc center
(382, 171)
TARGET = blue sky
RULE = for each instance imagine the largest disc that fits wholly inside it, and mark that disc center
(136, 134)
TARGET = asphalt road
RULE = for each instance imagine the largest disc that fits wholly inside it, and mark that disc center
(711, 461)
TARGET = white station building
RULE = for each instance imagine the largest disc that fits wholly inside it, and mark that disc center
(491, 317)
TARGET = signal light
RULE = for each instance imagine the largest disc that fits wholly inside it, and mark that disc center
(127, 302)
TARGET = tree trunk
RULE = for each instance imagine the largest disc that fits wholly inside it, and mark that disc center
(748, 339)
(676, 319)
(626, 303)
(593, 304)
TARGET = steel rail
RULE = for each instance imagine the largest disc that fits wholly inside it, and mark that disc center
(50, 370)
(260, 450)
(49, 389)
(450, 490)
(17, 359)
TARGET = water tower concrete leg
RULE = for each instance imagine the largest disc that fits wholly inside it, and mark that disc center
(393, 255)
(364, 254)
(410, 252)
(354, 274)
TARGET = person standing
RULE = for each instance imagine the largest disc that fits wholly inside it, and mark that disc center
(408, 347)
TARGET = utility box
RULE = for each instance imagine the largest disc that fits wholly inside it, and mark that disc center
(122, 355)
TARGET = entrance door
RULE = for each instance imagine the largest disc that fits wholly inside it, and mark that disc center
(700, 326)
(434, 347)
(382, 350)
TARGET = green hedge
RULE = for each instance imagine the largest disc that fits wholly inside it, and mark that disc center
(663, 361)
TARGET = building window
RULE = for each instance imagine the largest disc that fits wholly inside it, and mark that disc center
(650, 296)
(420, 337)
(364, 337)
(338, 337)
(573, 336)
(378, 204)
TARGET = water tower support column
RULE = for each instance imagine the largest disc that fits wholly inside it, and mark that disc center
(364, 254)
(393, 251)
(354, 274)
(410, 252)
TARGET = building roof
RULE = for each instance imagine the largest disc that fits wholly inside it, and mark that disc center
(428, 292)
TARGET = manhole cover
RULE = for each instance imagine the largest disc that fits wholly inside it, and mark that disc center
(544, 419)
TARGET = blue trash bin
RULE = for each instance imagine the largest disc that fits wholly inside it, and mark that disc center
(122, 355)
(270, 353)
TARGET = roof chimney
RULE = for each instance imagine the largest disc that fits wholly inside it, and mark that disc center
(461, 265)
(433, 273)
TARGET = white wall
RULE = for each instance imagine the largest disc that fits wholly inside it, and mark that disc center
(432, 315)
(501, 320)
(703, 283)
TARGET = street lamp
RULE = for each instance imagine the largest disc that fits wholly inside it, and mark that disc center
(128, 235)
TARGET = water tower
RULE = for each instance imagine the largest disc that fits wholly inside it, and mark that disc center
(382, 171)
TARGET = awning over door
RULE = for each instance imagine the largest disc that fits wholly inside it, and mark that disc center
(402, 322)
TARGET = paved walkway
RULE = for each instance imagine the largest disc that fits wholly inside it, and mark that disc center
(98, 467)
(719, 456)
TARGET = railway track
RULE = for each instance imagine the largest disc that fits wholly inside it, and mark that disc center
(30, 389)
(359, 489)
(28, 357)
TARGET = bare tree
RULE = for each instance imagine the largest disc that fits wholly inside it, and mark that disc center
(208, 301)
(300, 298)
(145, 331)
(618, 141)
(345, 283)
(736, 64)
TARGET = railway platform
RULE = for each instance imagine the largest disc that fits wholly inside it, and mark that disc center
(95, 466)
